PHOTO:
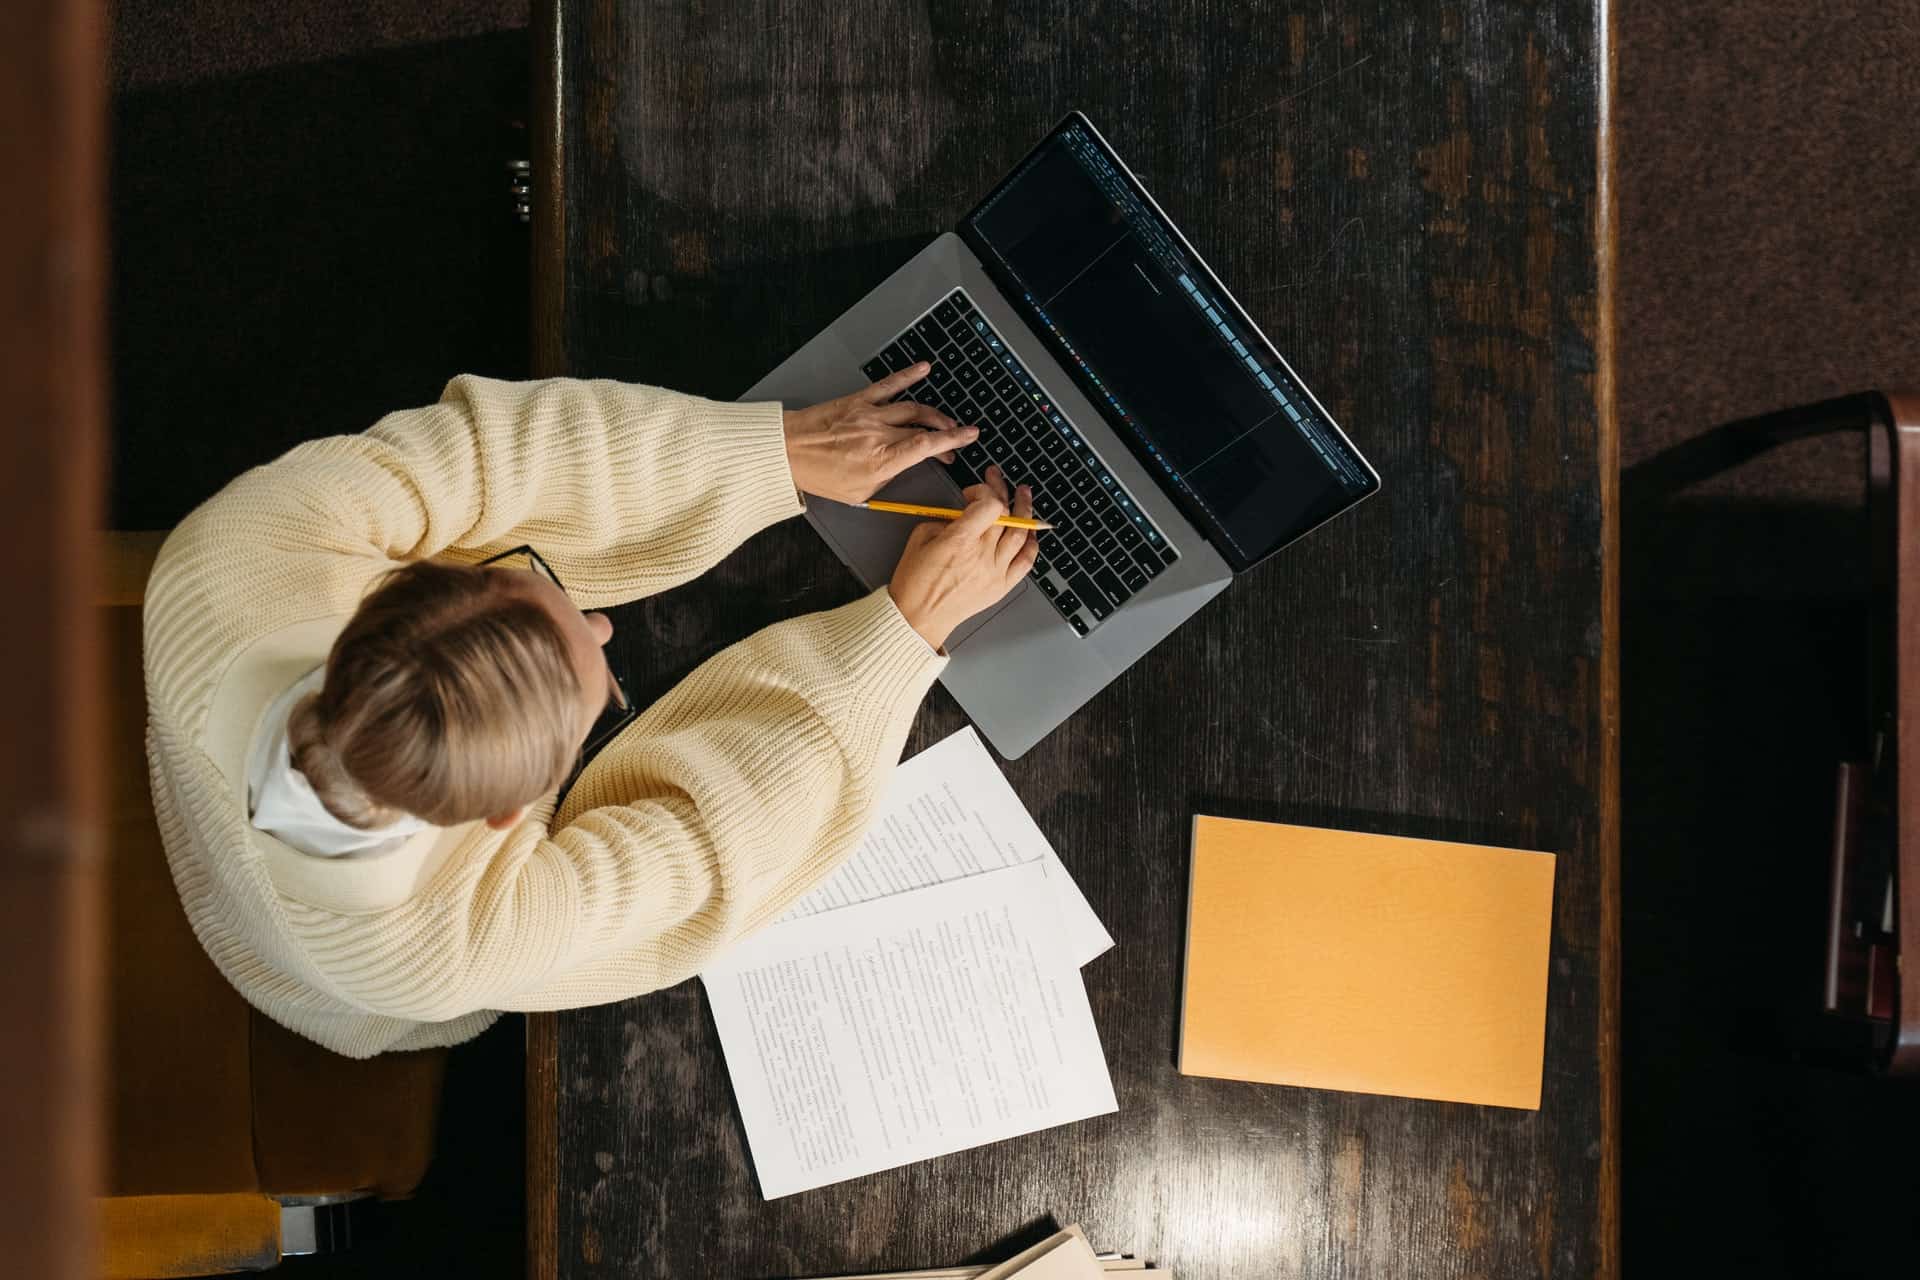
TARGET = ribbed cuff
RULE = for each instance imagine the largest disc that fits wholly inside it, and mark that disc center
(893, 662)
(749, 442)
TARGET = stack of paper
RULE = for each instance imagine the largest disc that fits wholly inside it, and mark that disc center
(1063, 1256)
(925, 998)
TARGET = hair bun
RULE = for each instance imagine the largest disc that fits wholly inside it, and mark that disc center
(319, 761)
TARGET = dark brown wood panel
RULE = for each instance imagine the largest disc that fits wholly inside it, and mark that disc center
(1408, 199)
(52, 365)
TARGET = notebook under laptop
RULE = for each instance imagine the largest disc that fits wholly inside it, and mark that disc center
(1110, 369)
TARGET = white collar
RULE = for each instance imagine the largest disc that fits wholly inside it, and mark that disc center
(282, 802)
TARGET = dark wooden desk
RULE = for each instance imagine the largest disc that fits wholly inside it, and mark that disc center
(1411, 200)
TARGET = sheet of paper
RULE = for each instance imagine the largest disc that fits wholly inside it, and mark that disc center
(1072, 1260)
(949, 812)
(904, 1028)
(1108, 1263)
(1066, 1255)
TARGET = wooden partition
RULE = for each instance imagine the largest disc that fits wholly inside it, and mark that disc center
(52, 368)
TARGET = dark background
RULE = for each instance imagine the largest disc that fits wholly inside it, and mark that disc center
(311, 226)
(1762, 170)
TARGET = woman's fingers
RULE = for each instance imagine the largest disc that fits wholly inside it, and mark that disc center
(908, 446)
(1008, 541)
(912, 412)
(983, 508)
(894, 383)
(925, 444)
(1023, 560)
(997, 482)
(1023, 506)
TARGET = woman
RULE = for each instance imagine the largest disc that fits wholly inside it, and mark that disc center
(356, 730)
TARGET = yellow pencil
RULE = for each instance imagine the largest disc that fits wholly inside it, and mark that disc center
(950, 513)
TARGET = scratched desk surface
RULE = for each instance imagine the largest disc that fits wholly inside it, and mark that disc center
(1408, 199)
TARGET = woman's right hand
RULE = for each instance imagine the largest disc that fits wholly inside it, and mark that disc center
(953, 569)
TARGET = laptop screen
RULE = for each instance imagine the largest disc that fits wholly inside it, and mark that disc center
(1162, 350)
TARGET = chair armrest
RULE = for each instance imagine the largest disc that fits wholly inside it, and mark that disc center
(154, 1237)
(1903, 438)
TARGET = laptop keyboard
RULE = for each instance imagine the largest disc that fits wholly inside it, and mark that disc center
(1103, 549)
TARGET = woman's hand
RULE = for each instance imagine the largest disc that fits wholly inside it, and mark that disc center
(846, 449)
(953, 569)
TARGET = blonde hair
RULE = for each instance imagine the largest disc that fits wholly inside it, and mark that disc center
(449, 696)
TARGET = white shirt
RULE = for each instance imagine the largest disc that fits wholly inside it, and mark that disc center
(282, 802)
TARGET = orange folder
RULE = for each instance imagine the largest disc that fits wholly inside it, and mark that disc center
(1374, 964)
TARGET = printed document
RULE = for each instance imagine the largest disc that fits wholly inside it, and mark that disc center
(949, 812)
(906, 1027)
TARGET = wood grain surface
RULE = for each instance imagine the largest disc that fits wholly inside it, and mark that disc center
(53, 363)
(1409, 200)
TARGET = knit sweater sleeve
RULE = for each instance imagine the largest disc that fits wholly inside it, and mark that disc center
(721, 804)
(626, 490)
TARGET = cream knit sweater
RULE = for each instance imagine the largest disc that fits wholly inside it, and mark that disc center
(718, 806)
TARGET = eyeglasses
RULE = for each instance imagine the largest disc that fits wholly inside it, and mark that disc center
(620, 711)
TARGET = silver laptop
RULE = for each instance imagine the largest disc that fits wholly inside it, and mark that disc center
(1109, 368)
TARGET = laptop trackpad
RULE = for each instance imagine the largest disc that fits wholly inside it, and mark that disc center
(871, 542)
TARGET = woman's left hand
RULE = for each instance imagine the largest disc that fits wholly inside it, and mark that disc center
(846, 449)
